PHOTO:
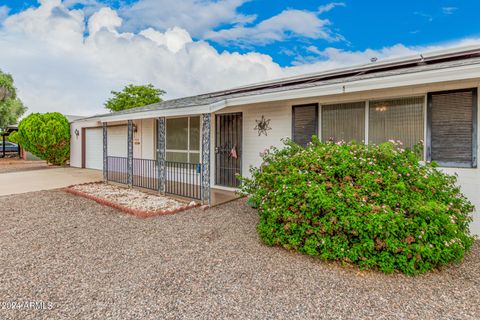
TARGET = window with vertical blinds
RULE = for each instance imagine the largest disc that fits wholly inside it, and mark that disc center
(397, 119)
(452, 128)
(345, 121)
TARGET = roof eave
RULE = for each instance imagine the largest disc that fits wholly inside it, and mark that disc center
(464, 72)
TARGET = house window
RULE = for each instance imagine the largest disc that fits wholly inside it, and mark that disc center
(345, 121)
(183, 140)
(397, 119)
(452, 128)
(304, 123)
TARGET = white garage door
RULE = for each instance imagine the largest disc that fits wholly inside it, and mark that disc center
(117, 141)
(94, 148)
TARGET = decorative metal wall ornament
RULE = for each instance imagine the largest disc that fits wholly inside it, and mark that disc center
(263, 126)
(161, 155)
(206, 121)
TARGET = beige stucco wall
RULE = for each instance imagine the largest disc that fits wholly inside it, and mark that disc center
(280, 114)
(144, 139)
(76, 142)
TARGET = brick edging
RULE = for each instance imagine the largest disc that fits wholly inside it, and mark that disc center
(131, 211)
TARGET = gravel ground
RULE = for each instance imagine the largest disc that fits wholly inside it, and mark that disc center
(14, 165)
(130, 198)
(91, 262)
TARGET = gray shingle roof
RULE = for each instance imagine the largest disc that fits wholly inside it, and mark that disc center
(318, 80)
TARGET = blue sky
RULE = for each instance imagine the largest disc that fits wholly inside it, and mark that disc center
(377, 24)
(362, 24)
(193, 46)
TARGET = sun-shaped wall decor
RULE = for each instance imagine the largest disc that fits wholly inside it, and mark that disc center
(263, 125)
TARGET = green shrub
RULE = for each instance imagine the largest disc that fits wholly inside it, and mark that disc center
(374, 206)
(47, 136)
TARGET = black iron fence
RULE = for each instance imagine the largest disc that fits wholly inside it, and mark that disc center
(117, 169)
(181, 179)
(145, 174)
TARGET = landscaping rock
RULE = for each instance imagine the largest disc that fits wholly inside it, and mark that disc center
(93, 262)
(130, 198)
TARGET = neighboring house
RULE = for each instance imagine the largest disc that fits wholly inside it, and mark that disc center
(184, 146)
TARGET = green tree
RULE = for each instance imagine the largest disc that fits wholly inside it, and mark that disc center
(11, 108)
(45, 135)
(133, 97)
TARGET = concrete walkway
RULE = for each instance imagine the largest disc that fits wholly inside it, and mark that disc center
(37, 180)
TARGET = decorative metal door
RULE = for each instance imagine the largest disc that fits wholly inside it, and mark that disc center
(228, 149)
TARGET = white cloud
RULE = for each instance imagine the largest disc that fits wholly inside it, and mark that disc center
(174, 39)
(107, 19)
(4, 10)
(89, 7)
(71, 3)
(195, 16)
(57, 68)
(332, 58)
(329, 6)
(287, 24)
(449, 10)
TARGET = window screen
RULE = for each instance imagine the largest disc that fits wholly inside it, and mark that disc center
(398, 119)
(183, 139)
(177, 134)
(344, 121)
(452, 128)
(305, 123)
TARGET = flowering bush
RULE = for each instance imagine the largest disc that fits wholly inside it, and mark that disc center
(375, 206)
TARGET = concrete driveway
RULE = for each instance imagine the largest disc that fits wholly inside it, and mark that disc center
(38, 180)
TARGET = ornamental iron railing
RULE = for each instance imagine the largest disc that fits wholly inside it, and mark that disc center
(181, 179)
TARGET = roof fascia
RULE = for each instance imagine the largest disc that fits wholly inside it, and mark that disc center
(466, 72)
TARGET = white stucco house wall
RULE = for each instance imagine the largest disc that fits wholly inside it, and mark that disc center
(203, 141)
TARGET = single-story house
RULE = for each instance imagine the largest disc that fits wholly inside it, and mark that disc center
(190, 145)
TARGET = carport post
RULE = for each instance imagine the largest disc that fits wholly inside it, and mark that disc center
(206, 136)
(130, 154)
(161, 154)
(105, 152)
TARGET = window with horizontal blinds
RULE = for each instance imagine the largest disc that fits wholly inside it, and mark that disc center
(397, 119)
(305, 123)
(452, 128)
(344, 121)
